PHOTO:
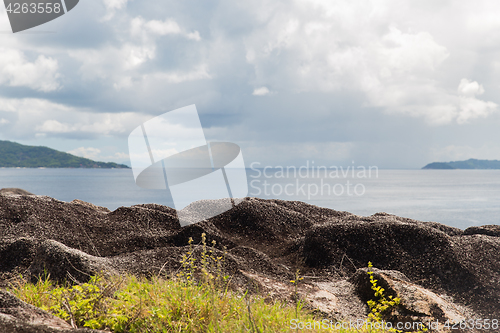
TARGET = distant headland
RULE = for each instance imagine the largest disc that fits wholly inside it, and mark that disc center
(15, 155)
(469, 164)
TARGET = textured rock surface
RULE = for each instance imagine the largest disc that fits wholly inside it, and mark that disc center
(19, 310)
(266, 240)
(417, 304)
(489, 230)
(64, 263)
(14, 191)
(18, 316)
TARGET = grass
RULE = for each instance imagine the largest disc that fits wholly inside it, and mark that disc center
(195, 300)
(131, 304)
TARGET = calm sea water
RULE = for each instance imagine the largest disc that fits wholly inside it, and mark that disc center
(459, 198)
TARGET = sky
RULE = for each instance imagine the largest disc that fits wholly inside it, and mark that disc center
(387, 83)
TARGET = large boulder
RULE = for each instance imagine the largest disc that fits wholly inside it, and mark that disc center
(265, 240)
(63, 263)
(463, 266)
(86, 227)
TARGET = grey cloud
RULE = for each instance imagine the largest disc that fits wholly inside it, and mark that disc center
(347, 81)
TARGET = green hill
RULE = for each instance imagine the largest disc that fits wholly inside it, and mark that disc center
(469, 164)
(14, 155)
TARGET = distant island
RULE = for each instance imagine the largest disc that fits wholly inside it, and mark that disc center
(469, 164)
(15, 155)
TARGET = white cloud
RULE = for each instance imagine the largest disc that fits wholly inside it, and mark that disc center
(4, 121)
(164, 153)
(136, 55)
(107, 154)
(198, 73)
(121, 156)
(470, 89)
(469, 106)
(139, 27)
(262, 91)
(37, 105)
(115, 4)
(113, 63)
(112, 6)
(409, 53)
(122, 63)
(436, 105)
(54, 126)
(194, 36)
(89, 152)
(16, 71)
(42, 118)
(368, 47)
(97, 154)
(123, 83)
(163, 27)
(343, 46)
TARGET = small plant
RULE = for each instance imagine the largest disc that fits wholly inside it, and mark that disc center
(188, 263)
(382, 304)
(298, 304)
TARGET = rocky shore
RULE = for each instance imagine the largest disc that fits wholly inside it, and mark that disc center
(439, 272)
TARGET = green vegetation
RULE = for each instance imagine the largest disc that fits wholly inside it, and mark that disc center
(13, 155)
(197, 299)
(382, 306)
(128, 304)
(469, 164)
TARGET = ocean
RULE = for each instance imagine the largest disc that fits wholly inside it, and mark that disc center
(458, 198)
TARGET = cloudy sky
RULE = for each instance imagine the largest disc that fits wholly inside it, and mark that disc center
(397, 84)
